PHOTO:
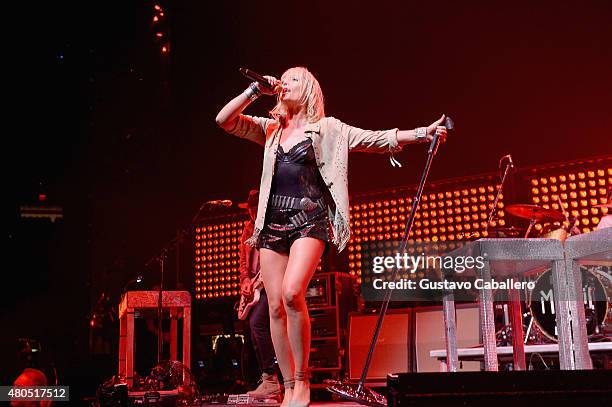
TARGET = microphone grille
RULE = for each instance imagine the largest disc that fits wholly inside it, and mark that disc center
(449, 123)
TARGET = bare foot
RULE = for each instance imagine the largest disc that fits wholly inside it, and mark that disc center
(301, 394)
(287, 398)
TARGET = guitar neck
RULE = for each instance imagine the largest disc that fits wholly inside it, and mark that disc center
(257, 280)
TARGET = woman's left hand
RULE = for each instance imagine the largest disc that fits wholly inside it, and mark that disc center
(436, 127)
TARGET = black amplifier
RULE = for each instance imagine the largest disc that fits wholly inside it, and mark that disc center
(330, 297)
(330, 290)
(325, 354)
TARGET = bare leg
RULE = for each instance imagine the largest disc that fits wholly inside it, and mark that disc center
(273, 266)
(303, 259)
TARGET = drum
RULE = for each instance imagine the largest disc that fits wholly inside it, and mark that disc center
(597, 299)
(559, 234)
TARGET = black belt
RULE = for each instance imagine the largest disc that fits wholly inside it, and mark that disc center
(308, 207)
(290, 202)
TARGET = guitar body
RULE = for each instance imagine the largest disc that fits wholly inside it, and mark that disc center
(248, 302)
(245, 308)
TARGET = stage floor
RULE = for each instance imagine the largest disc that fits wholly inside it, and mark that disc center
(312, 404)
(263, 404)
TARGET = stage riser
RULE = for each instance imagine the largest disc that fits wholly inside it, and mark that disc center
(497, 389)
(511, 400)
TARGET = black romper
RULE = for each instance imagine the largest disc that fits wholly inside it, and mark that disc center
(297, 206)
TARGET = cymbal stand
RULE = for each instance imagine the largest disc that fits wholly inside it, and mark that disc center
(499, 192)
(532, 222)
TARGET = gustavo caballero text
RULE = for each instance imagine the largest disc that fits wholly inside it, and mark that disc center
(427, 284)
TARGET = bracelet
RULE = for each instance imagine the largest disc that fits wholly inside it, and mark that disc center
(421, 133)
(252, 92)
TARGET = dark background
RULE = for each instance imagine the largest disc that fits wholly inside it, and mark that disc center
(124, 139)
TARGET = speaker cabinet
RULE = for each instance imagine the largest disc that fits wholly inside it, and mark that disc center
(421, 326)
(429, 335)
(391, 354)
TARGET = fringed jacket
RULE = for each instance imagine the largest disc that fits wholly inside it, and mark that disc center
(332, 140)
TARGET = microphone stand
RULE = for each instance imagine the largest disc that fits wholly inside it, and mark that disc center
(161, 259)
(359, 392)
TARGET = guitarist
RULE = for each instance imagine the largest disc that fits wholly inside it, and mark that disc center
(259, 316)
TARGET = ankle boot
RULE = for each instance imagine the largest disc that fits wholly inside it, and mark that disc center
(268, 388)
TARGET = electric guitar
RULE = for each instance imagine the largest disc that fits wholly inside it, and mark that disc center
(248, 301)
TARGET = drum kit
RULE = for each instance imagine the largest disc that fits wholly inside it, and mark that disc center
(536, 214)
(597, 296)
(539, 302)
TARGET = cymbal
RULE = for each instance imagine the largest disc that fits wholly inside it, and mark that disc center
(535, 212)
(510, 231)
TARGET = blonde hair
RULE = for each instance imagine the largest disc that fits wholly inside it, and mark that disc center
(311, 96)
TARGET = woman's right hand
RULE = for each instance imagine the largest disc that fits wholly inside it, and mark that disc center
(274, 83)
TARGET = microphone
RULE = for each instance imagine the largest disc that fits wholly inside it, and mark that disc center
(509, 157)
(138, 280)
(450, 125)
(254, 76)
(219, 202)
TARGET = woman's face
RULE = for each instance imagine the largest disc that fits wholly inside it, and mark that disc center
(291, 87)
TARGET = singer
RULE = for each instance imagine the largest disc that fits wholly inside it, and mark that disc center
(303, 201)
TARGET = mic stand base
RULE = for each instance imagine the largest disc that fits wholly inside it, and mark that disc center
(357, 392)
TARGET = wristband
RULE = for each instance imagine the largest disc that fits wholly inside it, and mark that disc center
(252, 92)
(421, 133)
